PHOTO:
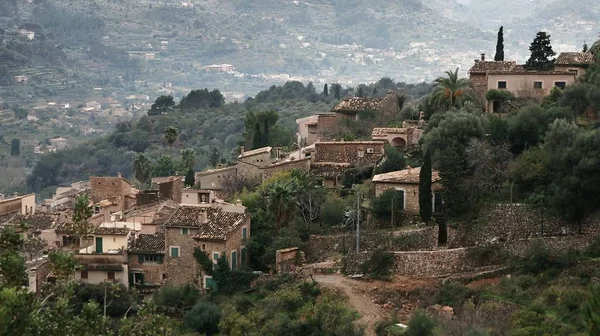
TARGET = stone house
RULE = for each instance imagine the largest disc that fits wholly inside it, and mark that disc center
(406, 184)
(169, 187)
(106, 258)
(523, 83)
(23, 205)
(302, 164)
(215, 179)
(209, 228)
(307, 130)
(146, 255)
(117, 193)
(330, 159)
(401, 138)
(250, 163)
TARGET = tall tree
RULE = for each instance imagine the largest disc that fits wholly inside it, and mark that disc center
(325, 90)
(190, 178)
(188, 157)
(214, 157)
(585, 47)
(162, 104)
(265, 137)
(164, 166)
(15, 147)
(541, 53)
(82, 213)
(12, 265)
(142, 168)
(361, 92)
(171, 134)
(500, 46)
(451, 91)
(257, 138)
(425, 194)
(337, 91)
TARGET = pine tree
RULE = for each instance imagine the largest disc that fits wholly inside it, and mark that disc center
(190, 178)
(15, 147)
(541, 52)
(265, 140)
(256, 139)
(500, 46)
(585, 47)
(425, 206)
(325, 90)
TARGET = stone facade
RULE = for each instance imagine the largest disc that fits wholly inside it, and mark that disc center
(286, 260)
(411, 194)
(184, 268)
(322, 246)
(171, 189)
(358, 153)
(114, 189)
(302, 164)
(249, 166)
(215, 178)
(401, 138)
(511, 222)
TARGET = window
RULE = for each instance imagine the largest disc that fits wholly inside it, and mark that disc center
(174, 251)
(560, 85)
(243, 255)
(538, 85)
(370, 150)
(244, 233)
(97, 209)
(138, 278)
(216, 256)
(203, 247)
(157, 258)
(110, 275)
(184, 231)
(501, 84)
(84, 274)
(164, 276)
(209, 283)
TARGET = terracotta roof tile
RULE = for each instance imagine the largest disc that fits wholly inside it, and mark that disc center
(408, 176)
(485, 66)
(111, 231)
(383, 132)
(36, 222)
(148, 243)
(255, 152)
(218, 226)
(574, 58)
(356, 104)
(218, 170)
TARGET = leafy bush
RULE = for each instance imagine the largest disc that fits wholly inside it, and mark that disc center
(174, 300)
(332, 212)
(380, 264)
(499, 95)
(203, 318)
(452, 294)
(593, 250)
(420, 325)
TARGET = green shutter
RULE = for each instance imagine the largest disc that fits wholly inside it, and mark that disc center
(98, 244)
(130, 279)
(399, 199)
(160, 259)
(141, 258)
(233, 261)
(175, 252)
(210, 283)
(244, 233)
(243, 256)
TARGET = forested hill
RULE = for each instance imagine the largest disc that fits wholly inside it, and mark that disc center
(213, 131)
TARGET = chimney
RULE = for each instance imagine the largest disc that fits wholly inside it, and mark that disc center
(202, 217)
(483, 56)
(119, 174)
(241, 150)
(238, 202)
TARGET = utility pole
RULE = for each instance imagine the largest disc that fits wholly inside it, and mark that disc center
(357, 222)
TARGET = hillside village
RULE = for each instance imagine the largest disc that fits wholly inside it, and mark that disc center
(478, 214)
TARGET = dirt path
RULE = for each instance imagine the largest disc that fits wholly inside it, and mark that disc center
(369, 311)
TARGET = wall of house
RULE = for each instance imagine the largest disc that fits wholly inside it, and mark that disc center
(353, 152)
(511, 222)
(579, 70)
(411, 194)
(108, 187)
(522, 85)
(327, 126)
(98, 277)
(303, 164)
(479, 85)
(153, 271)
(235, 242)
(109, 242)
(251, 166)
(183, 269)
(214, 180)
(149, 228)
(171, 190)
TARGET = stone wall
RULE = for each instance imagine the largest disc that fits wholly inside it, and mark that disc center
(353, 152)
(439, 263)
(411, 194)
(479, 86)
(153, 271)
(326, 127)
(321, 246)
(302, 164)
(251, 166)
(214, 179)
(183, 269)
(512, 222)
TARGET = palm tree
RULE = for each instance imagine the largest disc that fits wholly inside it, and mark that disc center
(451, 91)
(170, 134)
(142, 168)
(282, 201)
(188, 157)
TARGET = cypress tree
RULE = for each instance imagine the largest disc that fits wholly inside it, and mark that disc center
(585, 47)
(265, 141)
(190, 178)
(15, 147)
(325, 90)
(256, 139)
(500, 46)
(541, 51)
(337, 93)
(425, 206)
(360, 92)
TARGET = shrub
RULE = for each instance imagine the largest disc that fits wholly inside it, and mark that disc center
(203, 318)
(332, 212)
(593, 250)
(499, 95)
(379, 265)
(420, 325)
(452, 294)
